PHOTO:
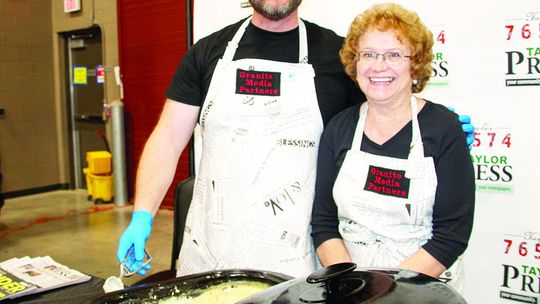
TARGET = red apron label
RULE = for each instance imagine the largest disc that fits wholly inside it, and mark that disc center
(258, 83)
(387, 182)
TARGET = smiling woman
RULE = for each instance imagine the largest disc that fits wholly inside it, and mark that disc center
(395, 182)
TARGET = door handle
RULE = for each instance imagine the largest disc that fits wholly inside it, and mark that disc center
(89, 118)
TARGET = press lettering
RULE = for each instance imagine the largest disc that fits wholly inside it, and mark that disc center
(493, 173)
(526, 280)
(515, 59)
(439, 69)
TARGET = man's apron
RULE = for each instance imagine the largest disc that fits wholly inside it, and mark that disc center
(260, 126)
(385, 204)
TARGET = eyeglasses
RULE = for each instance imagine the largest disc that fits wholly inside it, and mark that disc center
(371, 57)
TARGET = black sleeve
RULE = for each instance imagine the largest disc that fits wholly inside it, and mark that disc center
(453, 210)
(324, 217)
(192, 78)
(186, 85)
(335, 90)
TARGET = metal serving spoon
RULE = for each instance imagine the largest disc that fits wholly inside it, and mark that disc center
(114, 283)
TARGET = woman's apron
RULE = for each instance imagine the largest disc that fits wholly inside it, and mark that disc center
(385, 204)
(260, 126)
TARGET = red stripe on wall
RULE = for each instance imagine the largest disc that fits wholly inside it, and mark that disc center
(152, 40)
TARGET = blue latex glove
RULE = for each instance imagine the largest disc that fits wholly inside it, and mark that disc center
(467, 127)
(136, 234)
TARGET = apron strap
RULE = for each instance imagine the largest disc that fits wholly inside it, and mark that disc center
(302, 42)
(233, 44)
(359, 132)
(416, 137)
(416, 150)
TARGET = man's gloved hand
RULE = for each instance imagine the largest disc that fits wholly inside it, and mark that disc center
(467, 127)
(135, 236)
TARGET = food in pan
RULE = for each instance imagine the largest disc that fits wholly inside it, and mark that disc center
(223, 293)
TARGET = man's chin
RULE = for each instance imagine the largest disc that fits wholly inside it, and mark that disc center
(275, 13)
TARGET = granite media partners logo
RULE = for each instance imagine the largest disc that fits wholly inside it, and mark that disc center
(440, 71)
(252, 82)
(520, 283)
(388, 182)
(523, 67)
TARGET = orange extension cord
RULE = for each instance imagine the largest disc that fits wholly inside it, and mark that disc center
(41, 220)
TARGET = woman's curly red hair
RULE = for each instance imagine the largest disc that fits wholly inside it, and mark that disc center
(408, 29)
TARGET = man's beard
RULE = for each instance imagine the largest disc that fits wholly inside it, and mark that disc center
(274, 13)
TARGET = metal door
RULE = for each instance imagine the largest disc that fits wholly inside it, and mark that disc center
(86, 80)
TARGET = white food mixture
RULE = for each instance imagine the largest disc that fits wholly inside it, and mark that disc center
(224, 293)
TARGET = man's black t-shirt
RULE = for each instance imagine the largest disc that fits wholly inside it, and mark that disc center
(335, 90)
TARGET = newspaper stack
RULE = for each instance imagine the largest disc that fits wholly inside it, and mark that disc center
(23, 276)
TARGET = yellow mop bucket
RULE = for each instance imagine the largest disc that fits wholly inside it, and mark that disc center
(100, 187)
(99, 162)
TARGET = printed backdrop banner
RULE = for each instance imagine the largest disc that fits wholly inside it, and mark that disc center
(486, 64)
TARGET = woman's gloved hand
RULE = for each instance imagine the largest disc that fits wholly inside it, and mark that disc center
(135, 236)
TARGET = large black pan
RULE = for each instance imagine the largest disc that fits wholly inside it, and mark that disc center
(338, 283)
(190, 285)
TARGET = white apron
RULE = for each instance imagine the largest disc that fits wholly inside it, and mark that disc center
(251, 207)
(385, 204)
